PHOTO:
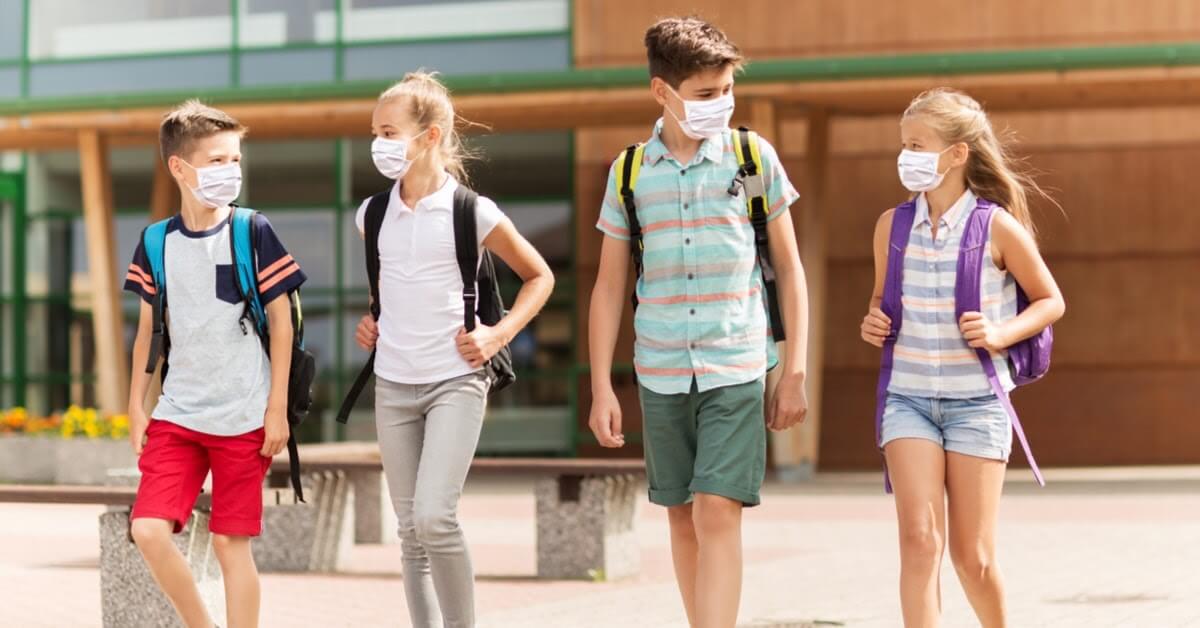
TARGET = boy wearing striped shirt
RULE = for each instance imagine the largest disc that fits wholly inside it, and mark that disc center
(703, 339)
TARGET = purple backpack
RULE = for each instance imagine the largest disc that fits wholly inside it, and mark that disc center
(1029, 359)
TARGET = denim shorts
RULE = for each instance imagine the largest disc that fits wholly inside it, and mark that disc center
(977, 427)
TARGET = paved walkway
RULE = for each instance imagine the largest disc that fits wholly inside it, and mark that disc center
(1097, 548)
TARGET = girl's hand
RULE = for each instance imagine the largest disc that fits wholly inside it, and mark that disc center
(876, 327)
(981, 333)
(478, 346)
(367, 333)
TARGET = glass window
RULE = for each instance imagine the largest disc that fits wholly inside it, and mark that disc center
(287, 67)
(12, 29)
(128, 75)
(456, 56)
(308, 235)
(274, 23)
(295, 174)
(61, 29)
(410, 19)
(10, 83)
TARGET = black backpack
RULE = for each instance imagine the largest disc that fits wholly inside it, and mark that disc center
(481, 290)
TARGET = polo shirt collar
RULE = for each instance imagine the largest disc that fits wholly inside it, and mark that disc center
(712, 148)
(442, 198)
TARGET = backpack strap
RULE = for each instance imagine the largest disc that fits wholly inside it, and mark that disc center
(466, 247)
(967, 298)
(749, 177)
(154, 240)
(242, 235)
(628, 167)
(893, 283)
(372, 225)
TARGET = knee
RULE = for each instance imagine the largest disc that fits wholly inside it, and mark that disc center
(920, 545)
(150, 534)
(713, 515)
(972, 561)
(225, 545)
(680, 520)
(432, 527)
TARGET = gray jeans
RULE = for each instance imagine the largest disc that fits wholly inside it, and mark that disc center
(427, 436)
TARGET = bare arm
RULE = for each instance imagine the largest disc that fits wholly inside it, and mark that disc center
(505, 241)
(139, 379)
(1014, 249)
(279, 321)
(876, 325)
(604, 324)
(793, 292)
(538, 281)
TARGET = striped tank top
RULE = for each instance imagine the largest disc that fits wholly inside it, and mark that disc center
(932, 359)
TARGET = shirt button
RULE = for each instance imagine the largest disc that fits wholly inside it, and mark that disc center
(693, 345)
(685, 205)
(692, 311)
(687, 241)
(691, 276)
(682, 172)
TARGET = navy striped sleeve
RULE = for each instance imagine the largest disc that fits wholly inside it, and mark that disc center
(138, 278)
(278, 271)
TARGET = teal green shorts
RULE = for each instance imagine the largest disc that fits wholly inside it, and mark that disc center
(711, 442)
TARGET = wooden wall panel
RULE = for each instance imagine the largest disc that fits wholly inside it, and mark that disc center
(1075, 417)
(609, 32)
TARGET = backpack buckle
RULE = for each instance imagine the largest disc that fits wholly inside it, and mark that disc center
(739, 181)
(754, 186)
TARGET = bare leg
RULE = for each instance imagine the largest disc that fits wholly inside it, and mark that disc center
(918, 472)
(718, 522)
(170, 570)
(685, 552)
(974, 486)
(242, 590)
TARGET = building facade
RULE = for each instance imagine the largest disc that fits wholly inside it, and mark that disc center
(1101, 95)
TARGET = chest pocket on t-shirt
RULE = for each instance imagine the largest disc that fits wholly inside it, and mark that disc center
(227, 289)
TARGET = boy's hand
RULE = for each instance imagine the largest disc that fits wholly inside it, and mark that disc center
(138, 424)
(981, 333)
(275, 427)
(605, 420)
(876, 327)
(789, 405)
(477, 347)
(367, 333)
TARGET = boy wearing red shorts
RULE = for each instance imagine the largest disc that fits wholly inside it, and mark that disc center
(222, 408)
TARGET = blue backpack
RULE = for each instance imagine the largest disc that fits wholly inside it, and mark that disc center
(302, 370)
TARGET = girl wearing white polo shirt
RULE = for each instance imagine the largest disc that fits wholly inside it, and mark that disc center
(431, 388)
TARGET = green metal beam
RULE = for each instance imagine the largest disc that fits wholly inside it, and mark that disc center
(811, 69)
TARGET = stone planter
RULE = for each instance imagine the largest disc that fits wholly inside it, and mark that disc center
(52, 460)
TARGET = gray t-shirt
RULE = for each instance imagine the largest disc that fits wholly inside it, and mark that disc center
(219, 376)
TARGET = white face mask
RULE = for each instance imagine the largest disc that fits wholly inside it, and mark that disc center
(919, 170)
(391, 156)
(217, 186)
(703, 119)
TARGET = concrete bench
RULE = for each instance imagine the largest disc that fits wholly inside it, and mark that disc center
(128, 594)
(586, 508)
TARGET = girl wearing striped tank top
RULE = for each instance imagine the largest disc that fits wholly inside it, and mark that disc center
(945, 435)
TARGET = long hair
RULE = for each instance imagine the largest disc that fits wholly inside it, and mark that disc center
(992, 172)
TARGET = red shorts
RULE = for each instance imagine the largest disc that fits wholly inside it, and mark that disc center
(174, 464)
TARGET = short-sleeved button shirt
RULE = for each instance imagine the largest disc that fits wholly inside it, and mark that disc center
(701, 310)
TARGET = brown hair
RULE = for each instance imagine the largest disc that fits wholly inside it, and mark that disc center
(191, 121)
(429, 104)
(678, 48)
(992, 171)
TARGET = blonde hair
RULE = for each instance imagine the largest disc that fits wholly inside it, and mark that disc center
(992, 171)
(429, 104)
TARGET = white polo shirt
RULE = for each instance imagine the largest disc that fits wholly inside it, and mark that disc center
(420, 288)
